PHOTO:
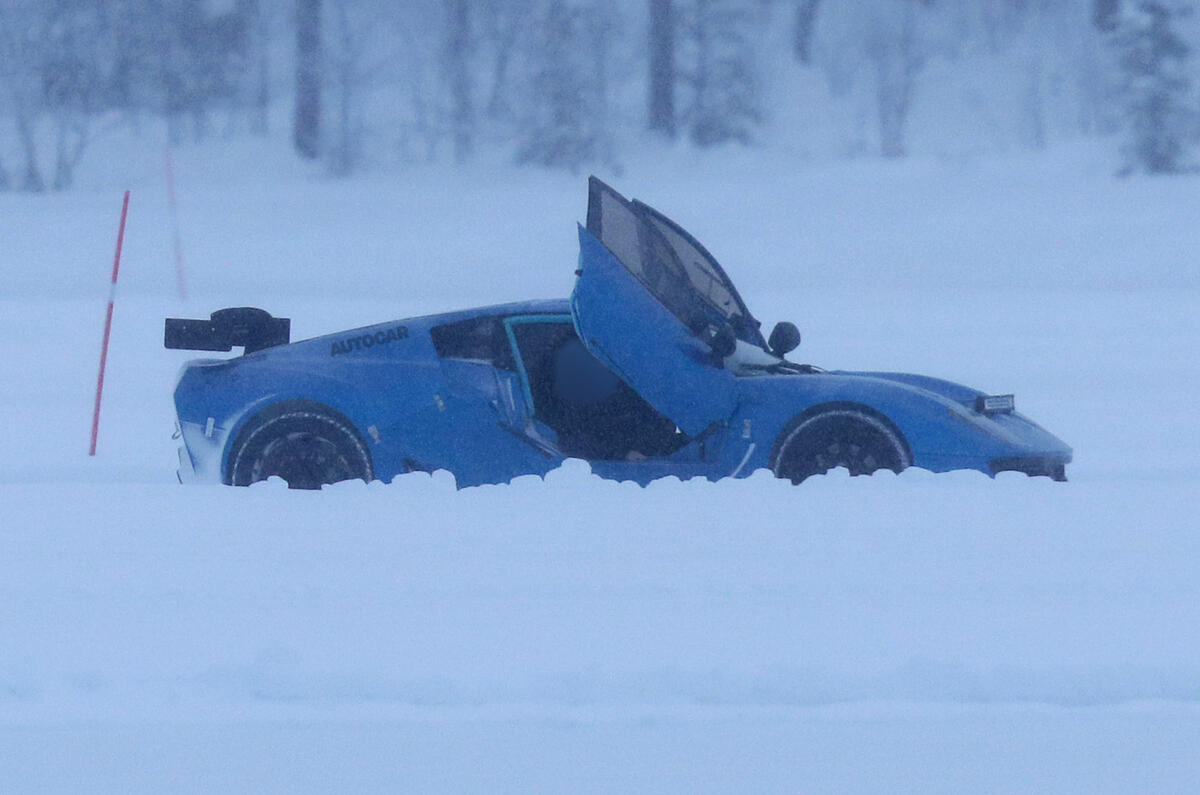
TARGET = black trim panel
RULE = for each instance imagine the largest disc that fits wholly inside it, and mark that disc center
(1053, 468)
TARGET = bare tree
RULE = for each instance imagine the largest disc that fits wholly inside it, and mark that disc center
(424, 132)
(20, 33)
(203, 61)
(417, 65)
(897, 55)
(802, 29)
(1156, 88)
(257, 98)
(347, 50)
(1106, 14)
(724, 83)
(52, 67)
(306, 123)
(557, 128)
(5, 182)
(661, 82)
(601, 28)
(458, 76)
(503, 24)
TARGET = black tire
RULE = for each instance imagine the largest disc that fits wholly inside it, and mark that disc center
(857, 439)
(306, 444)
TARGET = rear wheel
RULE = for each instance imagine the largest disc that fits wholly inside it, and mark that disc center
(305, 444)
(859, 441)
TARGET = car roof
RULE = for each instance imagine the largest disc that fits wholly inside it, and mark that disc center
(546, 306)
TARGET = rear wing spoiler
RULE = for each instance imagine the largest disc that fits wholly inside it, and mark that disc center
(243, 326)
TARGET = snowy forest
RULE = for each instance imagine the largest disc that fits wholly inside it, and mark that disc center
(368, 85)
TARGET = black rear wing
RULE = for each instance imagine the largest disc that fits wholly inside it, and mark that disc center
(243, 326)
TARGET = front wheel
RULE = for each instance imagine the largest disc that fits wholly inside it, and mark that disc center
(856, 440)
(304, 444)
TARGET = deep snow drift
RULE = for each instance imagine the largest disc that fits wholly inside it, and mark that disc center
(897, 633)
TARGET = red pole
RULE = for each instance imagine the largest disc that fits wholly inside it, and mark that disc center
(112, 294)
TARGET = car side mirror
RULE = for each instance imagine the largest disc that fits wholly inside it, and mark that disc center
(784, 338)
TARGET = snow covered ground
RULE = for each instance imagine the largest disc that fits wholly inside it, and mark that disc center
(899, 633)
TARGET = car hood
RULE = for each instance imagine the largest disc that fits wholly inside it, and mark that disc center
(947, 389)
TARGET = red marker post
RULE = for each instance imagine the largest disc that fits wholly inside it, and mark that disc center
(112, 294)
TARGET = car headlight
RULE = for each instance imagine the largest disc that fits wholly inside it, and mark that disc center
(995, 404)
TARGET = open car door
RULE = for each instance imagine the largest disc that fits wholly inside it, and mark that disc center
(647, 302)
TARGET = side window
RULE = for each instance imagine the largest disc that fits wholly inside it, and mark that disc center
(474, 339)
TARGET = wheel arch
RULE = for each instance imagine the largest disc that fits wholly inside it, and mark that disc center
(268, 409)
(858, 412)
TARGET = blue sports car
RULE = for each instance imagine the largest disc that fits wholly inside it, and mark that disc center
(654, 367)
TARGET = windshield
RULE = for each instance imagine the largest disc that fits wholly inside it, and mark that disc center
(703, 274)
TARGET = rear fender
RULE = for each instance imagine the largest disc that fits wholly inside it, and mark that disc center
(339, 398)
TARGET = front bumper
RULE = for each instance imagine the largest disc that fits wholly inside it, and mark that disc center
(1033, 466)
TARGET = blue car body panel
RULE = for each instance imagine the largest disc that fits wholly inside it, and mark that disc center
(479, 409)
(642, 342)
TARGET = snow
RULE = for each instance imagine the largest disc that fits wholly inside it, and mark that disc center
(898, 633)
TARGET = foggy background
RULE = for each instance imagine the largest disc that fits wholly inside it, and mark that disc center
(368, 86)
